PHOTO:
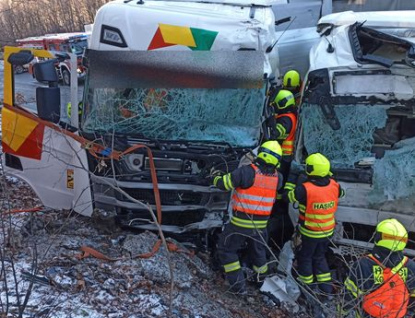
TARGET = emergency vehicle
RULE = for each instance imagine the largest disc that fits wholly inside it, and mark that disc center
(59, 44)
(174, 92)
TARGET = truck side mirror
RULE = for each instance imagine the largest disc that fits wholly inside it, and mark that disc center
(46, 72)
(20, 58)
(48, 102)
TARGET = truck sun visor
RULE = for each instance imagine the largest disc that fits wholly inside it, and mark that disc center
(155, 69)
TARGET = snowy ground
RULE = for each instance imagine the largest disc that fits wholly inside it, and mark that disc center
(43, 248)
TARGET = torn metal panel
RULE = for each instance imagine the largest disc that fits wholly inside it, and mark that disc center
(284, 289)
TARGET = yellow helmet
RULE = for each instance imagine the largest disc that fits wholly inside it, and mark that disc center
(284, 99)
(291, 80)
(317, 165)
(270, 152)
(391, 234)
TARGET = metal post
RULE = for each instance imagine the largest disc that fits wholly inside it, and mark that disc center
(74, 90)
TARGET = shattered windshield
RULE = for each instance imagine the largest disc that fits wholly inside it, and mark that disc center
(229, 115)
(380, 137)
(353, 140)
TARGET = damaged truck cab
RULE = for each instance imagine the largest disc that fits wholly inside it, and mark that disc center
(187, 79)
(358, 110)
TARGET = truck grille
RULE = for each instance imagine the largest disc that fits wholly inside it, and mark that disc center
(169, 197)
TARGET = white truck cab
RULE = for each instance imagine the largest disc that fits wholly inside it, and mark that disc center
(358, 110)
(187, 79)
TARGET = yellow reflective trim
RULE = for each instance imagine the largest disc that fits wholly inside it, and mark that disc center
(281, 129)
(249, 221)
(323, 277)
(320, 225)
(289, 186)
(302, 207)
(227, 182)
(291, 197)
(306, 279)
(215, 181)
(249, 224)
(320, 216)
(377, 274)
(261, 270)
(315, 234)
(352, 288)
(279, 196)
(232, 267)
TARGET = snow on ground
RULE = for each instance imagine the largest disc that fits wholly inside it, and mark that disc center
(44, 247)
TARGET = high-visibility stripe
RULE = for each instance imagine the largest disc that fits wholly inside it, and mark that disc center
(400, 269)
(255, 198)
(249, 224)
(326, 277)
(323, 226)
(261, 270)
(289, 186)
(215, 181)
(232, 267)
(288, 142)
(306, 279)
(352, 288)
(279, 196)
(316, 234)
(291, 197)
(282, 131)
(301, 207)
(227, 182)
(253, 207)
(260, 194)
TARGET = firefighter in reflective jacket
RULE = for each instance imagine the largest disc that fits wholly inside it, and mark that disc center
(381, 284)
(317, 197)
(255, 191)
(283, 128)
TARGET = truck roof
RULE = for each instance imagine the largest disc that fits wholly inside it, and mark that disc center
(384, 19)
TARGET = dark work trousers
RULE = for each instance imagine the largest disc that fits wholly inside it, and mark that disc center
(232, 239)
(312, 262)
(285, 167)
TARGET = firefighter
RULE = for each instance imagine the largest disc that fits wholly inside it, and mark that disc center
(382, 283)
(317, 197)
(283, 129)
(69, 110)
(255, 190)
(292, 82)
(282, 126)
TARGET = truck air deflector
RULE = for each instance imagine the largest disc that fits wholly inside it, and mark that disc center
(166, 69)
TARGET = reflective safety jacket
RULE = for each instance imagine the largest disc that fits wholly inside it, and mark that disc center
(285, 137)
(381, 291)
(260, 197)
(317, 217)
(391, 298)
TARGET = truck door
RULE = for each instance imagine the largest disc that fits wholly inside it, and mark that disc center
(40, 152)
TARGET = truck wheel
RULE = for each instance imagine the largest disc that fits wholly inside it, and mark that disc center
(66, 77)
(18, 69)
